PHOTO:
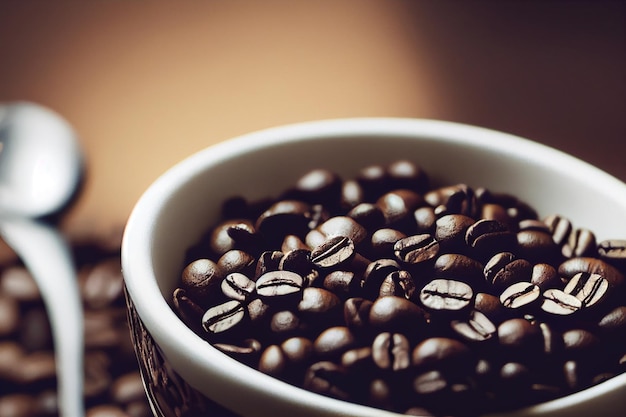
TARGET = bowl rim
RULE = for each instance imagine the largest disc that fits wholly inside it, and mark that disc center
(160, 319)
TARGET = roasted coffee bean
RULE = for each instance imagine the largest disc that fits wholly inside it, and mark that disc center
(333, 253)
(416, 249)
(291, 243)
(533, 225)
(397, 314)
(613, 322)
(520, 294)
(581, 242)
(268, 261)
(299, 262)
(476, 328)
(18, 283)
(573, 266)
(236, 260)
(490, 306)
(102, 284)
(375, 274)
(408, 175)
(552, 340)
(582, 344)
(286, 323)
(327, 378)
(450, 232)
(505, 269)
(318, 186)
(333, 342)
(521, 337)
(368, 215)
(278, 284)
(398, 283)
(430, 383)
(352, 194)
(224, 317)
(320, 304)
(286, 217)
(9, 315)
(486, 237)
(383, 241)
(442, 353)
(454, 199)
(342, 283)
(559, 303)
(190, 312)
(232, 234)
(200, 278)
(247, 352)
(497, 212)
(590, 289)
(258, 311)
(613, 251)
(445, 295)
(358, 361)
(398, 206)
(545, 276)
(391, 351)
(356, 313)
(237, 286)
(273, 361)
(298, 350)
(537, 247)
(559, 227)
(425, 220)
(460, 268)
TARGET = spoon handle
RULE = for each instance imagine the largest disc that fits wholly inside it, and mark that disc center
(47, 256)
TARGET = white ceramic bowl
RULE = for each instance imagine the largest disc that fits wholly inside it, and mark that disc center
(185, 201)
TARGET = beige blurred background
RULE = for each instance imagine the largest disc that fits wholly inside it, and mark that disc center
(147, 82)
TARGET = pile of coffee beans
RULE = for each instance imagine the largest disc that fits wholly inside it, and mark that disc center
(28, 384)
(389, 291)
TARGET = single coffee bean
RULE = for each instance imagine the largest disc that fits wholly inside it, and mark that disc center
(286, 323)
(425, 220)
(277, 284)
(333, 342)
(486, 237)
(398, 206)
(460, 268)
(408, 175)
(497, 212)
(368, 215)
(199, 279)
(450, 232)
(298, 350)
(268, 261)
(520, 294)
(375, 274)
(352, 194)
(291, 243)
(318, 186)
(613, 251)
(446, 295)
(340, 226)
(398, 283)
(383, 241)
(545, 276)
(454, 199)
(286, 217)
(327, 378)
(559, 303)
(190, 312)
(590, 289)
(537, 247)
(416, 249)
(273, 361)
(521, 337)
(342, 283)
(236, 260)
(476, 328)
(582, 344)
(613, 322)
(581, 242)
(299, 262)
(533, 225)
(333, 253)
(258, 311)
(356, 312)
(373, 180)
(397, 314)
(504, 269)
(224, 317)
(490, 306)
(237, 286)
(442, 353)
(359, 361)
(430, 383)
(232, 234)
(560, 228)
(319, 304)
(247, 351)
(391, 351)
(552, 340)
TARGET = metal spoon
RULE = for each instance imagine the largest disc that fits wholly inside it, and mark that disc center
(40, 169)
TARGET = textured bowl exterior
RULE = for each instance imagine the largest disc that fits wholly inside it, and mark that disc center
(181, 204)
